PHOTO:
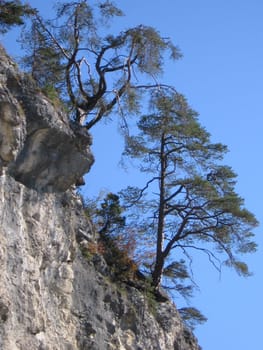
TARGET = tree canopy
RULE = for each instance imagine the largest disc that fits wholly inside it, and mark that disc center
(189, 201)
(92, 71)
(12, 13)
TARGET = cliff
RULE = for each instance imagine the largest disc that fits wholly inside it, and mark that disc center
(52, 297)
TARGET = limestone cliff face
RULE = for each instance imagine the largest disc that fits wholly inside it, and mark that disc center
(51, 296)
(39, 147)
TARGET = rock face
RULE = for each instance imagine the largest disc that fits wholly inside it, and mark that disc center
(37, 143)
(52, 297)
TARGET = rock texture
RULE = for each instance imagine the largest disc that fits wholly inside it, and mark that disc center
(39, 146)
(52, 297)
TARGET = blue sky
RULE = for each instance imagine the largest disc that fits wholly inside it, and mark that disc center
(221, 74)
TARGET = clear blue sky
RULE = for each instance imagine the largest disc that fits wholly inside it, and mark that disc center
(221, 74)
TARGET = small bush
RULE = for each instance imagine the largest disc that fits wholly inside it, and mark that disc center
(117, 257)
(93, 248)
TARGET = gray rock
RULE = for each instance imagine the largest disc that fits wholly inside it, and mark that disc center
(52, 297)
(39, 146)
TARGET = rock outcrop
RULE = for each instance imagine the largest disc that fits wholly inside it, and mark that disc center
(38, 145)
(52, 297)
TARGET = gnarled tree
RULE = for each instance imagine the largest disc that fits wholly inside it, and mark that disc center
(94, 71)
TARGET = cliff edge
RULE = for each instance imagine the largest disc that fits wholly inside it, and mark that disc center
(51, 296)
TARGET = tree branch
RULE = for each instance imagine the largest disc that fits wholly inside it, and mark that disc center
(211, 256)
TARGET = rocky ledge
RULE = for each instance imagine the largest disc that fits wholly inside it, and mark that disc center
(39, 147)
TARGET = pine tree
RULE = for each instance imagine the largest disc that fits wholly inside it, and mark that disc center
(189, 201)
(100, 72)
(12, 13)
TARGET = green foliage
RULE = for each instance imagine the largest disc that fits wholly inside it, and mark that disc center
(12, 13)
(117, 245)
(110, 215)
(194, 206)
(42, 59)
(118, 259)
(109, 10)
(176, 269)
(87, 68)
(192, 316)
(51, 92)
(149, 48)
(179, 279)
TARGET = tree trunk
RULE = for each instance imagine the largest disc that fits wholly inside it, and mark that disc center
(159, 262)
(157, 272)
